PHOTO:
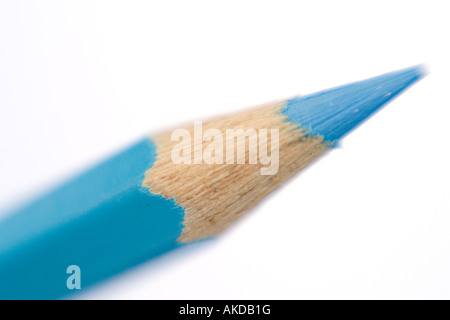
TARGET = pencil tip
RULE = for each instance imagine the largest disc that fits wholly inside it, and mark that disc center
(335, 112)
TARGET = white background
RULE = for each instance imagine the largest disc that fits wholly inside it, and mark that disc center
(80, 80)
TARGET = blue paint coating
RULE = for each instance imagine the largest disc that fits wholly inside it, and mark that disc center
(335, 112)
(104, 221)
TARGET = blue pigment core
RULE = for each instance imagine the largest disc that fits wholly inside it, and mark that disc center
(335, 112)
(103, 221)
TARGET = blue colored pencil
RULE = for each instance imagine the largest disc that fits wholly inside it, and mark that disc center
(159, 195)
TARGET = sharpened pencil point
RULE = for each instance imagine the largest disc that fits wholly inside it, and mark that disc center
(142, 203)
(335, 112)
